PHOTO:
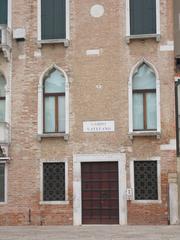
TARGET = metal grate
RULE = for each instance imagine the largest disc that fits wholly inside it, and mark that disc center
(54, 181)
(145, 178)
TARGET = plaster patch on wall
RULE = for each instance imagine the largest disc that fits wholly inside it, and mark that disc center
(99, 86)
(97, 11)
(170, 146)
(129, 149)
(22, 57)
(91, 52)
(37, 53)
(167, 47)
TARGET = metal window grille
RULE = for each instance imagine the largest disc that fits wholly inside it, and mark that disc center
(54, 181)
(145, 179)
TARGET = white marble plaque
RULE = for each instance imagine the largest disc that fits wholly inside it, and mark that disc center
(98, 126)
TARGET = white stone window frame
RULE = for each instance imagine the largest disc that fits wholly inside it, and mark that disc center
(7, 104)
(51, 41)
(7, 97)
(142, 36)
(9, 22)
(133, 133)
(42, 202)
(77, 193)
(41, 133)
(156, 159)
(5, 29)
(4, 161)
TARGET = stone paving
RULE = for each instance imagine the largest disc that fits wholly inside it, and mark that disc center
(91, 233)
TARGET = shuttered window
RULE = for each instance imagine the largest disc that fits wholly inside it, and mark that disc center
(2, 182)
(2, 98)
(53, 19)
(3, 11)
(142, 17)
(178, 116)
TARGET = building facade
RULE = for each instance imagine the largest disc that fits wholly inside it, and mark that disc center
(87, 112)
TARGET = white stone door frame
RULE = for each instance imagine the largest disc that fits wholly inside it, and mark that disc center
(77, 197)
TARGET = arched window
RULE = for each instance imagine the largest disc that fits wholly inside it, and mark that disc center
(144, 99)
(54, 116)
(53, 103)
(2, 98)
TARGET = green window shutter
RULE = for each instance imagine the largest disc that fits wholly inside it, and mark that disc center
(2, 182)
(53, 19)
(3, 11)
(142, 17)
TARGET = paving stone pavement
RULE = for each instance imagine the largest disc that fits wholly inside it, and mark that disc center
(91, 233)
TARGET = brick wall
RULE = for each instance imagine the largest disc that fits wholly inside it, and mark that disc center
(111, 70)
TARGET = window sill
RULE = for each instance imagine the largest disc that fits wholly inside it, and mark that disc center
(53, 135)
(143, 36)
(144, 134)
(4, 159)
(146, 201)
(53, 41)
(54, 202)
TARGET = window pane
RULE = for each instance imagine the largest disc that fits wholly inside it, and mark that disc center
(54, 181)
(136, 17)
(2, 86)
(145, 180)
(142, 17)
(3, 11)
(144, 78)
(2, 110)
(2, 182)
(53, 19)
(149, 16)
(49, 114)
(55, 83)
(178, 89)
(151, 111)
(178, 104)
(61, 112)
(138, 118)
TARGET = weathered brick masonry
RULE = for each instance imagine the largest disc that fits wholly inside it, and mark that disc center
(111, 70)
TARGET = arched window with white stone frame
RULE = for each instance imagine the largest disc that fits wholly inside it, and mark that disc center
(144, 100)
(53, 103)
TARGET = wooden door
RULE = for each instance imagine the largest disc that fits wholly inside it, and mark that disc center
(100, 196)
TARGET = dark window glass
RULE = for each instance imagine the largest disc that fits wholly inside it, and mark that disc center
(2, 182)
(142, 17)
(2, 98)
(53, 19)
(145, 180)
(3, 11)
(54, 181)
(178, 116)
